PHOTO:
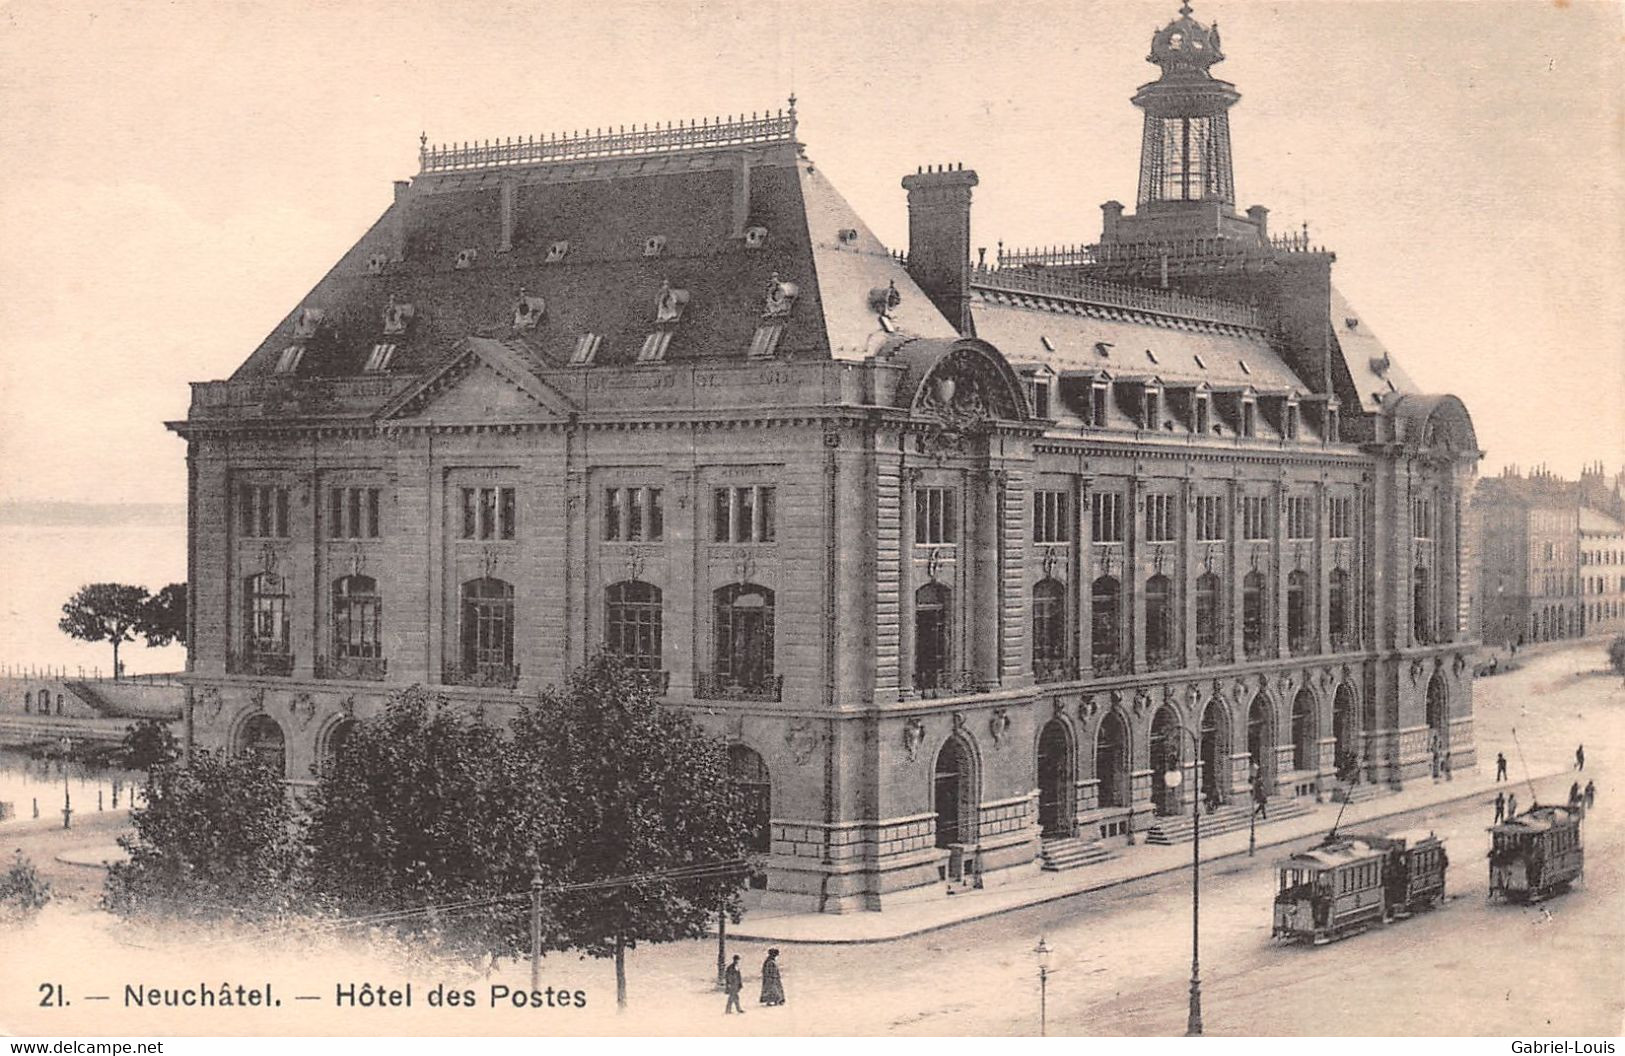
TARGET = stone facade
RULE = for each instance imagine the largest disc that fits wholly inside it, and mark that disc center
(955, 556)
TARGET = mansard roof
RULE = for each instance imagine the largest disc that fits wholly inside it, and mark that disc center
(1363, 364)
(440, 249)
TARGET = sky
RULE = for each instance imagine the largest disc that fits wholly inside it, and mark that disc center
(178, 175)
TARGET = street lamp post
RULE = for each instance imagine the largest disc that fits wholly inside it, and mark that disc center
(1173, 778)
(1042, 952)
(67, 797)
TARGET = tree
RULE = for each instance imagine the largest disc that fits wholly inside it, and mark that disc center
(643, 792)
(147, 745)
(428, 805)
(1616, 655)
(216, 838)
(105, 612)
(22, 892)
(164, 619)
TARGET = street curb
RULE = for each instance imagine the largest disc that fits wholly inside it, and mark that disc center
(1106, 885)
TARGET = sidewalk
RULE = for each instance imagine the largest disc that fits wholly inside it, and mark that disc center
(1127, 865)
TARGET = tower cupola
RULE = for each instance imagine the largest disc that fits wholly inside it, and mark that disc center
(1185, 151)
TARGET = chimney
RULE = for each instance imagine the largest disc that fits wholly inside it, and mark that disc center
(401, 187)
(939, 238)
(1110, 213)
(395, 230)
(505, 236)
(741, 210)
(1260, 217)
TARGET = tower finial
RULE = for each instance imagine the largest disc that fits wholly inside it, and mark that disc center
(1185, 8)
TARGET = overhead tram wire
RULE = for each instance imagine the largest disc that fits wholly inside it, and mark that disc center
(1534, 801)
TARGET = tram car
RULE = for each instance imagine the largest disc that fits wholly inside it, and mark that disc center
(1349, 883)
(1536, 854)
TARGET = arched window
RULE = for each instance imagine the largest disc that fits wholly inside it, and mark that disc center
(1111, 760)
(487, 633)
(1057, 807)
(1305, 749)
(1167, 757)
(1438, 711)
(335, 743)
(261, 737)
(1216, 752)
(632, 623)
(1159, 621)
(933, 638)
(1208, 627)
(1253, 614)
(1345, 730)
(1299, 634)
(1049, 631)
(1421, 606)
(749, 781)
(357, 616)
(1261, 743)
(1106, 635)
(1337, 610)
(955, 795)
(265, 616)
(744, 638)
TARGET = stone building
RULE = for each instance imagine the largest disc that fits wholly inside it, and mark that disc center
(1529, 557)
(1602, 573)
(963, 558)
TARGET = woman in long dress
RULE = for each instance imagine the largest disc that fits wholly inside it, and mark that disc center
(772, 985)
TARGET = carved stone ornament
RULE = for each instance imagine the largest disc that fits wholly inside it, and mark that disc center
(1087, 706)
(1116, 698)
(958, 720)
(528, 311)
(1142, 701)
(212, 703)
(1416, 670)
(309, 321)
(397, 316)
(466, 258)
(882, 299)
(375, 264)
(670, 304)
(781, 297)
(999, 726)
(802, 739)
(1058, 704)
(256, 701)
(303, 709)
(913, 737)
(1458, 664)
(347, 706)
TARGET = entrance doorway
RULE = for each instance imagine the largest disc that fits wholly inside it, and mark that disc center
(1056, 815)
(954, 794)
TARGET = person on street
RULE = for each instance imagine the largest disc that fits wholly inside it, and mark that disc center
(1512, 807)
(734, 981)
(1574, 796)
(1590, 794)
(1580, 757)
(1261, 799)
(1500, 767)
(772, 985)
(1500, 807)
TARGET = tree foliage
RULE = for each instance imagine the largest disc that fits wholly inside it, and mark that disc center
(1616, 655)
(642, 790)
(428, 805)
(216, 837)
(105, 612)
(164, 619)
(147, 745)
(23, 893)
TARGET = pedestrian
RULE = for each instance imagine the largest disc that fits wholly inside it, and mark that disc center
(1574, 796)
(1512, 806)
(734, 981)
(1261, 799)
(1500, 767)
(1500, 807)
(1580, 757)
(1590, 794)
(772, 985)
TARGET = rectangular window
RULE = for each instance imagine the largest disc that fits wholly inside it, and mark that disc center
(1339, 515)
(765, 342)
(378, 361)
(1333, 430)
(262, 511)
(352, 513)
(586, 349)
(288, 361)
(1255, 512)
(742, 515)
(1249, 415)
(1049, 517)
(1038, 392)
(1289, 423)
(633, 515)
(1201, 416)
(489, 513)
(1100, 397)
(1209, 518)
(654, 347)
(1159, 518)
(1300, 517)
(934, 510)
(1153, 409)
(1106, 517)
(1422, 518)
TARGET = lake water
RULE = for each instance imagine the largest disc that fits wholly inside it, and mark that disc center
(23, 780)
(41, 565)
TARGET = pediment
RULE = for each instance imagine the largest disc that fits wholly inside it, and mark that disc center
(482, 381)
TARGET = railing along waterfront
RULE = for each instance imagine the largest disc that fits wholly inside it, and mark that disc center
(1072, 287)
(670, 137)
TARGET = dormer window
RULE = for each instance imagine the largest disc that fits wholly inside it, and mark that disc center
(1289, 422)
(1332, 425)
(1203, 414)
(378, 361)
(1153, 408)
(397, 315)
(654, 347)
(654, 246)
(288, 361)
(1099, 399)
(586, 349)
(755, 237)
(556, 252)
(765, 343)
(1249, 417)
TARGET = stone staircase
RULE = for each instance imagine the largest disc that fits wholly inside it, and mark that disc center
(1364, 792)
(1232, 817)
(1071, 852)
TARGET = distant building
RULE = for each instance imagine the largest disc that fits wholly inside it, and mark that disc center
(963, 558)
(1602, 573)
